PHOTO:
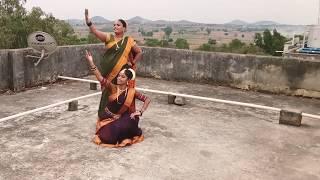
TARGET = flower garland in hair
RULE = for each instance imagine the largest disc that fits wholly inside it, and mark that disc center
(132, 71)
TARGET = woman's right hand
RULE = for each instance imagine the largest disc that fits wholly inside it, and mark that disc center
(89, 58)
(86, 15)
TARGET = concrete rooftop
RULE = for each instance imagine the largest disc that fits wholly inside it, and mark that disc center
(201, 140)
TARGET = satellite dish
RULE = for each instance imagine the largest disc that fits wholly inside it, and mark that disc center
(43, 44)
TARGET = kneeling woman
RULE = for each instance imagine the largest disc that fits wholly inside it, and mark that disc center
(119, 125)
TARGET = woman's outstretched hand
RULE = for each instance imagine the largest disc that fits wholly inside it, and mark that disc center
(86, 15)
(89, 57)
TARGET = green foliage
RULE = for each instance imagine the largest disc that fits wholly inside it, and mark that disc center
(168, 30)
(258, 40)
(210, 46)
(147, 33)
(156, 43)
(12, 23)
(212, 41)
(92, 39)
(235, 46)
(164, 43)
(182, 43)
(16, 24)
(206, 47)
(152, 42)
(144, 33)
(270, 42)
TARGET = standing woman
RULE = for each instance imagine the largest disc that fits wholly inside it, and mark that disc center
(121, 50)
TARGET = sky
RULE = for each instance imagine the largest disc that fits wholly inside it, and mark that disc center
(304, 12)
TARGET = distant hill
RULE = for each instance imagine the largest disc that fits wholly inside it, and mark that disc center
(160, 22)
(99, 20)
(237, 22)
(173, 22)
(258, 23)
(138, 20)
(75, 22)
(185, 22)
(141, 20)
(80, 22)
(265, 23)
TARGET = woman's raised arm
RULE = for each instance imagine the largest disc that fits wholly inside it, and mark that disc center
(99, 34)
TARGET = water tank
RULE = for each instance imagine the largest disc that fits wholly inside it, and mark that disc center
(314, 37)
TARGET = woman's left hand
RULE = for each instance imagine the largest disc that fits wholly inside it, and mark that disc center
(137, 113)
(89, 57)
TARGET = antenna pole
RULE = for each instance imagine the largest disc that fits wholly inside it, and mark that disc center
(319, 14)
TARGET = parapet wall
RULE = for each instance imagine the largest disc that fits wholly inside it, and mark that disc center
(262, 73)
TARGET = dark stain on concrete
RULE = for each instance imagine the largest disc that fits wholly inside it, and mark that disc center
(205, 153)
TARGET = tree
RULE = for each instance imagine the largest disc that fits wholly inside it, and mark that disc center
(164, 43)
(208, 31)
(182, 43)
(210, 46)
(152, 42)
(270, 42)
(12, 24)
(258, 41)
(16, 24)
(206, 47)
(278, 42)
(212, 41)
(267, 41)
(236, 44)
(167, 31)
(92, 39)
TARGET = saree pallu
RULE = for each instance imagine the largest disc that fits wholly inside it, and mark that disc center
(113, 60)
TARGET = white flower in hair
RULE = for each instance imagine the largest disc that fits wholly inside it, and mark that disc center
(133, 74)
(132, 71)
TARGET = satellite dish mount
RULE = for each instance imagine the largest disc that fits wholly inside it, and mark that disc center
(43, 44)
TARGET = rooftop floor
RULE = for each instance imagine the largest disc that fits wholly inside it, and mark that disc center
(201, 140)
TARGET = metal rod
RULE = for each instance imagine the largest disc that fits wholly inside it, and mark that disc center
(201, 98)
(47, 107)
(78, 79)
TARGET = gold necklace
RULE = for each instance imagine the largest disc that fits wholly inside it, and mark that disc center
(119, 91)
(117, 43)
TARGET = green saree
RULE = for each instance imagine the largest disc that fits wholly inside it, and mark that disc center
(113, 60)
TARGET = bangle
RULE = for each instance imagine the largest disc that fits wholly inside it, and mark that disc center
(89, 24)
(93, 68)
